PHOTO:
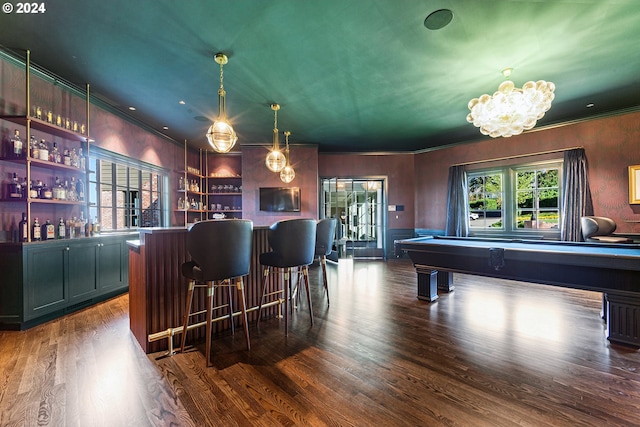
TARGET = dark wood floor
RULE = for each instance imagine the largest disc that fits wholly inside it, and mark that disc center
(492, 353)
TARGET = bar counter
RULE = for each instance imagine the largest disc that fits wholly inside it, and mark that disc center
(157, 289)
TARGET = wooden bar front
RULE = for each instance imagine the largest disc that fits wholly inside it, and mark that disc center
(157, 289)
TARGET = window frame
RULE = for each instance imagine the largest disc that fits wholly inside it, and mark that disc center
(509, 206)
(132, 167)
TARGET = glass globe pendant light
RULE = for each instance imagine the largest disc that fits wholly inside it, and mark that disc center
(221, 135)
(287, 174)
(275, 160)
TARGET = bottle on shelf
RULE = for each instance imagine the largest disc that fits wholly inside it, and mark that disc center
(71, 194)
(82, 161)
(59, 192)
(43, 150)
(46, 192)
(34, 191)
(34, 146)
(88, 228)
(181, 184)
(15, 188)
(80, 189)
(35, 231)
(74, 158)
(72, 227)
(62, 229)
(54, 156)
(66, 157)
(48, 231)
(23, 228)
(96, 227)
(16, 145)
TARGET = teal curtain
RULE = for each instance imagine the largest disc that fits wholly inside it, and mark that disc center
(576, 199)
(457, 203)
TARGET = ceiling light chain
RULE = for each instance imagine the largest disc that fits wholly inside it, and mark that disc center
(287, 174)
(511, 110)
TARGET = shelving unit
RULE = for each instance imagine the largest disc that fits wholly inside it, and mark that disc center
(219, 193)
(30, 167)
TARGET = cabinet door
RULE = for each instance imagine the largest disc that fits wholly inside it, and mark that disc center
(83, 283)
(45, 285)
(112, 265)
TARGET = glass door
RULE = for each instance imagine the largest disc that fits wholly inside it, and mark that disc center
(358, 204)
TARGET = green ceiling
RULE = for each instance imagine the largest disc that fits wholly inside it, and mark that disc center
(350, 75)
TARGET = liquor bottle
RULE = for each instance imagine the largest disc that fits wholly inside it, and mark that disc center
(23, 228)
(16, 145)
(71, 194)
(66, 157)
(61, 229)
(46, 192)
(59, 192)
(55, 154)
(74, 158)
(88, 228)
(35, 147)
(34, 191)
(15, 188)
(43, 150)
(35, 231)
(82, 162)
(48, 231)
(80, 190)
(96, 227)
(181, 184)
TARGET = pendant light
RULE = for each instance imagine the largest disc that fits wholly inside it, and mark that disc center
(275, 160)
(221, 135)
(287, 174)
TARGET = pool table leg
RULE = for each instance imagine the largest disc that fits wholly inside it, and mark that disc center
(623, 319)
(427, 283)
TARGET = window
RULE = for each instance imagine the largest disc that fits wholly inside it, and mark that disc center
(126, 194)
(515, 199)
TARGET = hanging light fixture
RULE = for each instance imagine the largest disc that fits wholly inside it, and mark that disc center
(275, 160)
(287, 174)
(221, 135)
(511, 110)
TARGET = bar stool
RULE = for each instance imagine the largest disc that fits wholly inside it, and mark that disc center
(325, 234)
(292, 244)
(221, 254)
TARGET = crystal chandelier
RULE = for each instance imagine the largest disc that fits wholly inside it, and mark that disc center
(275, 160)
(287, 174)
(511, 110)
(221, 135)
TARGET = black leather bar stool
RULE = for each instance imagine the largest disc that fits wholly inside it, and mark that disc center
(292, 244)
(325, 234)
(221, 254)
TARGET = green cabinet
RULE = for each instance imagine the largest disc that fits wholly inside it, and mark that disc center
(45, 280)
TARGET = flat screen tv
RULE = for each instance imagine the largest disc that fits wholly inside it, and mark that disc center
(279, 199)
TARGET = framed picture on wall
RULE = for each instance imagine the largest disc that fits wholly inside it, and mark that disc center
(634, 185)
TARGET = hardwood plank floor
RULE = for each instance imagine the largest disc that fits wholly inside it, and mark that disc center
(492, 353)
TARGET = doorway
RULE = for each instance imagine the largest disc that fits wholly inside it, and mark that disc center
(358, 204)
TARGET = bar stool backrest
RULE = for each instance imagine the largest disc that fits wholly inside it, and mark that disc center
(324, 236)
(293, 241)
(221, 248)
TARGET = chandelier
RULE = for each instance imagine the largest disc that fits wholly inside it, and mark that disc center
(511, 110)
(287, 174)
(275, 160)
(221, 135)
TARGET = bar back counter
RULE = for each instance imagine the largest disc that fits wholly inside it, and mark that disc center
(158, 291)
(41, 281)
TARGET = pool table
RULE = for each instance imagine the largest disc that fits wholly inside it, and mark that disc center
(613, 269)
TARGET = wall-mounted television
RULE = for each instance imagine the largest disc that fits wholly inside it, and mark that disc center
(280, 199)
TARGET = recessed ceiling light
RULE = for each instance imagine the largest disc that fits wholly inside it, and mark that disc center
(591, 104)
(132, 108)
(181, 102)
(438, 19)
(165, 127)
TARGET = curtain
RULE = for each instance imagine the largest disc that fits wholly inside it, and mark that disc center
(576, 199)
(457, 203)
